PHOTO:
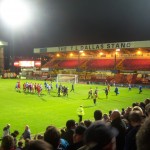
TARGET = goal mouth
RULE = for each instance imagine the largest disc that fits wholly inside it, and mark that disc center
(67, 78)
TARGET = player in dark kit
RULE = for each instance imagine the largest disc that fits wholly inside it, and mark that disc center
(129, 87)
(72, 87)
(90, 93)
(94, 98)
(116, 91)
(140, 89)
(106, 92)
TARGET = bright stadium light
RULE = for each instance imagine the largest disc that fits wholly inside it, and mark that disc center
(58, 55)
(139, 52)
(71, 54)
(15, 13)
(101, 53)
(83, 54)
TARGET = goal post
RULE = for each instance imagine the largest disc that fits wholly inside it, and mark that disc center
(71, 78)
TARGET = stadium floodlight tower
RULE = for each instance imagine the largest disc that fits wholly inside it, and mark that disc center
(15, 14)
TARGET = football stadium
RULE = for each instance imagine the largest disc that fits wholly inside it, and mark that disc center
(85, 68)
(74, 75)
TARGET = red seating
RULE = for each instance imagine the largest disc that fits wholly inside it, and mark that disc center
(70, 63)
(51, 64)
(102, 64)
(136, 64)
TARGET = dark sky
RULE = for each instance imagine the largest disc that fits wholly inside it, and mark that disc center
(75, 22)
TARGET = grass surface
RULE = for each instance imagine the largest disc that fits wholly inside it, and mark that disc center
(20, 109)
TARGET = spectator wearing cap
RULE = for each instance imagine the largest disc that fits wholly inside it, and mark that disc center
(80, 112)
(78, 138)
(135, 120)
(142, 137)
(119, 124)
(6, 130)
(68, 133)
(97, 115)
(100, 136)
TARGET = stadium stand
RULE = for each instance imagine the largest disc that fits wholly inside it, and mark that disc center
(103, 64)
(136, 64)
(73, 63)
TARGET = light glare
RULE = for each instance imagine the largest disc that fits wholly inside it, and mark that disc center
(14, 13)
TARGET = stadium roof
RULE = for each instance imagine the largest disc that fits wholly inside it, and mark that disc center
(117, 45)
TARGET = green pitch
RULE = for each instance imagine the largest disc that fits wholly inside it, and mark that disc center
(20, 109)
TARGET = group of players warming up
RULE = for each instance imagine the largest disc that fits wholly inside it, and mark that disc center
(93, 94)
(37, 88)
(63, 90)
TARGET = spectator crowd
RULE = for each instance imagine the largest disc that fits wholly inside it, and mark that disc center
(128, 129)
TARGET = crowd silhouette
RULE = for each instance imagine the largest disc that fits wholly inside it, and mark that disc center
(125, 130)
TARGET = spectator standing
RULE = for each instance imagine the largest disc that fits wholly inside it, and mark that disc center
(135, 120)
(69, 132)
(142, 137)
(53, 137)
(6, 130)
(27, 133)
(14, 135)
(98, 115)
(20, 145)
(100, 136)
(118, 123)
(7, 143)
(39, 145)
(78, 138)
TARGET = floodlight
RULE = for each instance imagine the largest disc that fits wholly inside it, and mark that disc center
(14, 13)
(139, 52)
(71, 54)
(101, 53)
(58, 55)
(117, 50)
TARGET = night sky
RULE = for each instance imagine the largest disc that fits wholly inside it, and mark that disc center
(75, 22)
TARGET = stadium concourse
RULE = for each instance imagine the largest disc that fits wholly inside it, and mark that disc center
(121, 62)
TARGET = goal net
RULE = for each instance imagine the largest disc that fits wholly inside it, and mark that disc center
(71, 78)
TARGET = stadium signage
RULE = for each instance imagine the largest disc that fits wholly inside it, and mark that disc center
(96, 46)
(117, 45)
(27, 63)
